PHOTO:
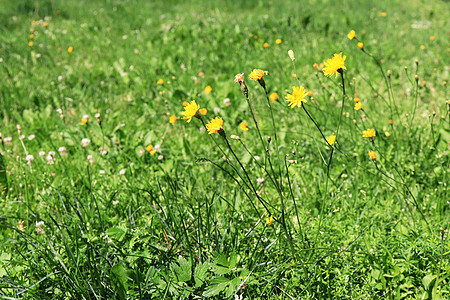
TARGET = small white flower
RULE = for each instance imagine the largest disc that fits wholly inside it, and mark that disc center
(141, 152)
(102, 172)
(85, 117)
(50, 160)
(21, 137)
(40, 227)
(160, 157)
(62, 151)
(122, 172)
(90, 159)
(60, 78)
(216, 110)
(51, 153)
(8, 141)
(259, 180)
(227, 101)
(31, 137)
(257, 157)
(291, 55)
(115, 202)
(41, 153)
(29, 159)
(85, 142)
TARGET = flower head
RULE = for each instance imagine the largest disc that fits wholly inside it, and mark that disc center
(84, 119)
(273, 97)
(369, 133)
(269, 220)
(291, 55)
(278, 41)
(356, 99)
(257, 74)
(358, 106)
(387, 134)
(334, 65)
(331, 139)
(208, 89)
(190, 111)
(297, 98)
(266, 45)
(372, 155)
(239, 78)
(85, 142)
(172, 119)
(244, 125)
(160, 81)
(203, 111)
(360, 45)
(70, 49)
(351, 35)
(215, 125)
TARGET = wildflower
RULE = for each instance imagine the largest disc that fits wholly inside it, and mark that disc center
(356, 99)
(201, 74)
(369, 133)
(30, 43)
(149, 148)
(185, 103)
(21, 225)
(190, 111)
(351, 35)
(372, 155)
(257, 74)
(432, 38)
(424, 83)
(239, 78)
(50, 160)
(250, 34)
(160, 81)
(227, 101)
(122, 172)
(390, 122)
(269, 221)
(31, 36)
(334, 65)
(29, 158)
(216, 110)
(273, 97)
(331, 139)
(203, 111)
(31, 137)
(90, 159)
(45, 24)
(160, 157)
(85, 142)
(297, 98)
(208, 89)
(70, 49)
(294, 75)
(291, 55)
(102, 172)
(383, 14)
(309, 93)
(172, 119)
(244, 125)
(316, 66)
(215, 125)
(360, 45)
(387, 134)
(84, 120)
(40, 227)
(31, 30)
(422, 47)
(266, 45)
(278, 41)
(8, 141)
(259, 180)
(358, 106)
(62, 151)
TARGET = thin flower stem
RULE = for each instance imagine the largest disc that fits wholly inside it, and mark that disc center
(317, 125)
(415, 104)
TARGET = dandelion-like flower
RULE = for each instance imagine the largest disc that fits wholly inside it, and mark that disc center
(297, 98)
(358, 106)
(257, 74)
(269, 221)
(215, 125)
(172, 119)
(84, 120)
(331, 139)
(278, 41)
(369, 133)
(387, 134)
(351, 35)
(266, 45)
(208, 89)
(334, 65)
(244, 125)
(360, 45)
(239, 78)
(190, 111)
(160, 81)
(372, 155)
(203, 111)
(70, 49)
(273, 97)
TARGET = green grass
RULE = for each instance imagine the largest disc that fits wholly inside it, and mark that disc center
(189, 222)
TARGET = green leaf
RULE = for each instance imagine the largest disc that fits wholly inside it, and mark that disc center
(200, 273)
(182, 270)
(117, 232)
(215, 289)
(119, 275)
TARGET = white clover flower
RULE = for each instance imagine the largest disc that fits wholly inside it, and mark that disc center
(31, 137)
(63, 151)
(90, 159)
(8, 141)
(102, 172)
(122, 172)
(216, 110)
(41, 153)
(160, 157)
(85, 142)
(259, 180)
(227, 101)
(29, 158)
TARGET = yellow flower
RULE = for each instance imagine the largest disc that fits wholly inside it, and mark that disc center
(215, 125)
(424, 83)
(369, 133)
(422, 47)
(360, 45)
(45, 24)
(269, 221)
(172, 119)
(149, 148)
(278, 41)
(331, 139)
(70, 49)
(273, 97)
(390, 122)
(185, 103)
(33, 22)
(383, 14)
(334, 65)
(84, 121)
(294, 75)
(356, 99)
(351, 35)
(432, 38)
(387, 134)
(358, 106)
(239, 78)
(297, 97)
(160, 81)
(201, 74)
(309, 93)
(190, 111)
(250, 34)
(372, 155)
(153, 152)
(256, 74)
(244, 126)
(30, 43)
(208, 89)
(245, 28)
(203, 111)
(266, 45)
(31, 36)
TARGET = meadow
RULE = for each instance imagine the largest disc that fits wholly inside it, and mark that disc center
(138, 162)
